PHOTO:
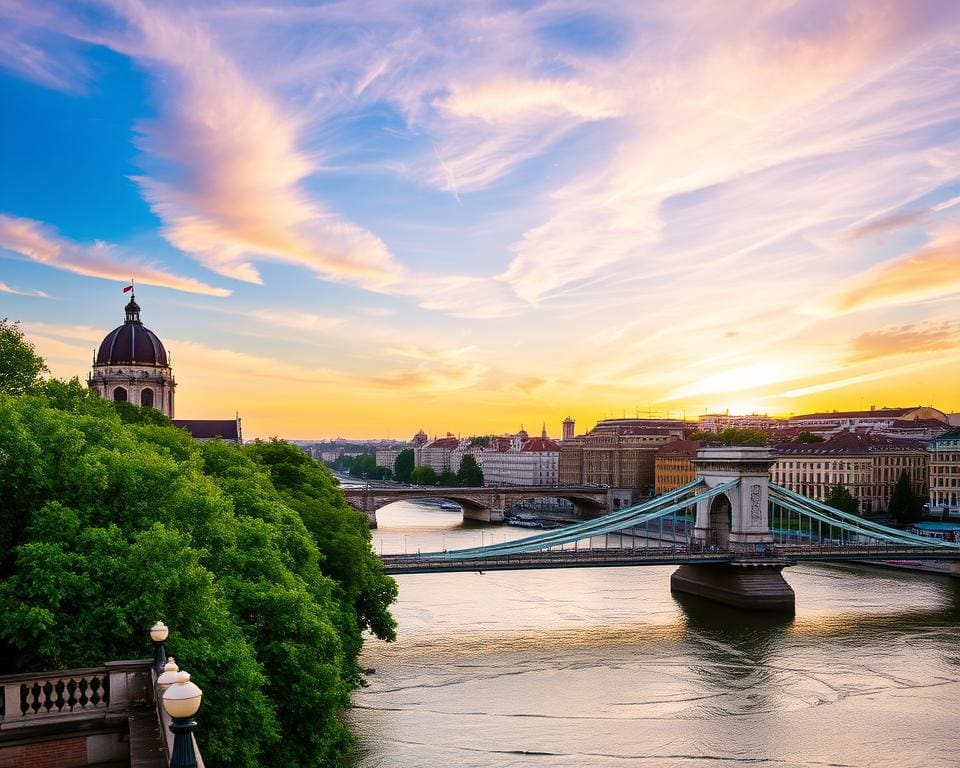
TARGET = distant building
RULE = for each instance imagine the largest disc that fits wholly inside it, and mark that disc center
(717, 422)
(673, 465)
(945, 474)
(873, 420)
(387, 457)
(420, 439)
(618, 453)
(202, 430)
(522, 461)
(131, 366)
(867, 465)
(568, 428)
(437, 453)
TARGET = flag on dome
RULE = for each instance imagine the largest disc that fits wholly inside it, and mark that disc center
(128, 288)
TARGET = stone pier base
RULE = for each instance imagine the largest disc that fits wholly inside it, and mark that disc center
(955, 569)
(754, 587)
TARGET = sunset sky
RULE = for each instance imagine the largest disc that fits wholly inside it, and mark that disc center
(363, 218)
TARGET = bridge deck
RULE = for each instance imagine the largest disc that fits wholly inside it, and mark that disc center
(617, 557)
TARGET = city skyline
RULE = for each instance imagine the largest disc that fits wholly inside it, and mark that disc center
(364, 220)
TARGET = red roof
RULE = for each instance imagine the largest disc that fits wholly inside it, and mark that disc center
(541, 445)
(448, 443)
(850, 443)
(876, 413)
(689, 447)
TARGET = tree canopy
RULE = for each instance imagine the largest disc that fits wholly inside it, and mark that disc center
(905, 506)
(840, 498)
(110, 519)
(732, 436)
(469, 475)
(403, 465)
(21, 368)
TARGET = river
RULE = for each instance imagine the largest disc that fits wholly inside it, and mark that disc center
(605, 667)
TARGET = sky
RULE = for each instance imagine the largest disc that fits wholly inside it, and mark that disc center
(364, 218)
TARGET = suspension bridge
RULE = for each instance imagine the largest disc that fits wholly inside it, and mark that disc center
(731, 532)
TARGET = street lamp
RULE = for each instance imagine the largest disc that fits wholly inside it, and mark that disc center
(181, 701)
(158, 633)
(171, 672)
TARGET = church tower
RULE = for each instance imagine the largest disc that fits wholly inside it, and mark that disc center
(131, 365)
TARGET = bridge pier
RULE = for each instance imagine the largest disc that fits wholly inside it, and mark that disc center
(753, 586)
(483, 514)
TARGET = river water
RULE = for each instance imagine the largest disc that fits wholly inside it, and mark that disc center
(605, 667)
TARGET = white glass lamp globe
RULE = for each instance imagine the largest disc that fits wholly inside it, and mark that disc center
(159, 632)
(182, 699)
(170, 672)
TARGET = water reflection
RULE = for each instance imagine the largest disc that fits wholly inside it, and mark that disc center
(604, 667)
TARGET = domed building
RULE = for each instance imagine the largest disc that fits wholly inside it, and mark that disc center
(131, 365)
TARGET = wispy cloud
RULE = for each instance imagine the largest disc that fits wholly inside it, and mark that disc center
(904, 340)
(4, 288)
(40, 243)
(301, 321)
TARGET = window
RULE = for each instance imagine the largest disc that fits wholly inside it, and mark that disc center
(120, 395)
(146, 398)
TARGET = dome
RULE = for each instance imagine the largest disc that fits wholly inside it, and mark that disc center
(131, 343)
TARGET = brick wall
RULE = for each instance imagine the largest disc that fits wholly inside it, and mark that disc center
(63, 753)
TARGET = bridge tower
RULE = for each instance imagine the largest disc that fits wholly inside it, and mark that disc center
(737, 521)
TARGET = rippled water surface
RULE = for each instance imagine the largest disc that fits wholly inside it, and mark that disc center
(604, 667)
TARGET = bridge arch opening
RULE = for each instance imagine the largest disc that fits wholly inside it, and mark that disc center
(721, 520)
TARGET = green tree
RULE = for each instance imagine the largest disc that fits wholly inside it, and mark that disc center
(470, 475)
(840, 498)
(403, 466)
(447, 478)
(809, 437)
(423, 476)
(262, 570)
(21, 368)
(905, 506)
(732, 436)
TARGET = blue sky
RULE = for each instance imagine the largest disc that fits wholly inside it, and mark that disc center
(355, 218)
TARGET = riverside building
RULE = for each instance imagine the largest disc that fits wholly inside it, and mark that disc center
(945, 475)
(522, 461)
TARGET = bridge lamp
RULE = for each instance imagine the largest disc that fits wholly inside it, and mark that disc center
(158, 633)
(181, 701)
(171, 672)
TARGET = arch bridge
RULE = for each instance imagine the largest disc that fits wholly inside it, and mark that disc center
(731, 531)
(490, 505)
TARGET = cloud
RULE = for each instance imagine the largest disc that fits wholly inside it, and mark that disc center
(301, 321)
(889, 223)
(223, 167)
(904, 340)
(4, 288)
(931, 272)
(40, 243)
(504, 101)
(435, 370)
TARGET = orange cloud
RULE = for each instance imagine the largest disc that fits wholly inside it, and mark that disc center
(929, 273)
(40, 243)
(904, 340)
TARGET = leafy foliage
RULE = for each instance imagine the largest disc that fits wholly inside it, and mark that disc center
(423, 476)
(403, 465)
(111, 519)
(809, 437)
(20, 366)
(470, 475)
(363, 465)
(732, 436)
(905, 506)
(840, 498)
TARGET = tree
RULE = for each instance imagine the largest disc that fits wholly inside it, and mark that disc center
(20, 365)
(905, 507)
(809, 437)
(732, 436)
(447, 479)
(470, 475)
(403, 465)
(250, 554)
(423, 476)
(840, 498)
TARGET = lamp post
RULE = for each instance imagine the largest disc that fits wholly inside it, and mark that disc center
(181, 701)
(158, 633)
(171, 672)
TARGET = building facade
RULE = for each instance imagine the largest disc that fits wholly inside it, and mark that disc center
(529, 461)
(437, 453)
(867, 465)
(875, 419)
(673, 465)
(617, 453)
(945, 475)
(717, 422)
